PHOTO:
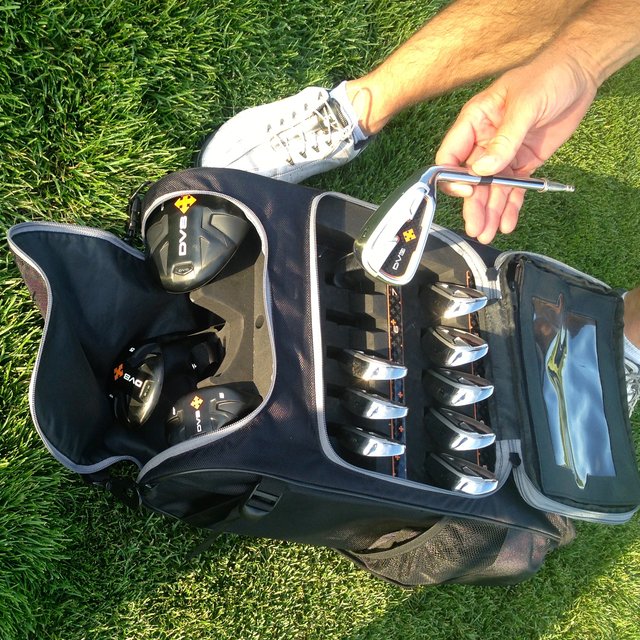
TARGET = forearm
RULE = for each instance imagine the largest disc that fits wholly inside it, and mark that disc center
(601, 38)
(467, 41)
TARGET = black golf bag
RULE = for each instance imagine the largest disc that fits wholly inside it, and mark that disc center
(289, 464)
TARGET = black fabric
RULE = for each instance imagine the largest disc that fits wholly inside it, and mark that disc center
(103, 299)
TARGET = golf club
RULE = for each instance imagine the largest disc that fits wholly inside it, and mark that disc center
(367, 367)
(446, 300)
(456, 474)
(456, 388)
(366, 443)
(371, 405)
(455, 431)
(451, 347)
(392, 241)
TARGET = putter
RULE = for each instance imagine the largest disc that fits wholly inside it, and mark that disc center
(455, 431)
(367, 367)
(446, 300)
(456, 474)
(392, 241)
(456, 388)
(366, 443)
(451, 347)
(372, 405)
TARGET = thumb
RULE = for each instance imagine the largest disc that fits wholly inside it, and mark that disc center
(505, 144)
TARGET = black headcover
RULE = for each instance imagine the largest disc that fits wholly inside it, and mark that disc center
(189, 239)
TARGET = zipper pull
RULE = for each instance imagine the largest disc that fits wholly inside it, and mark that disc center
(514, 459)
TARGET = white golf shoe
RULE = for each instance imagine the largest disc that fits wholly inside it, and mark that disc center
(291, 139)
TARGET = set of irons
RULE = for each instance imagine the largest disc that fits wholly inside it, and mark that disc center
(451, 432)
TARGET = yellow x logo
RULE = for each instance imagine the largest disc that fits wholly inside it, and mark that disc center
(409, 235)
(185, 203)
(118, 372)
(196, 403)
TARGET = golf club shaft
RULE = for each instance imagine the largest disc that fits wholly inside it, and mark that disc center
(536, 184)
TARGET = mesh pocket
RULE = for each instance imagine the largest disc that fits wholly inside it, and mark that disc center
(455, 550)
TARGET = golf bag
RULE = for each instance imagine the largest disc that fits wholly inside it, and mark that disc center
(309, 448)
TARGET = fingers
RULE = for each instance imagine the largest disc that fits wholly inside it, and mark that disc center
(490, 209)
(501, 150)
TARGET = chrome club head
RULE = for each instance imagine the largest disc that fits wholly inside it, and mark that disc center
(367, 367)
(455, 474)
(455, 431)
(452, 347)
(392, 241)
(456, 388)
(447, 300)
(366, 443)
(372, 405)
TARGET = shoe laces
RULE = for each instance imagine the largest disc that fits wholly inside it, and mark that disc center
(324, 126)
(632, 374)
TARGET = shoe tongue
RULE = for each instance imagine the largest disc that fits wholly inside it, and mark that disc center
(336, 111)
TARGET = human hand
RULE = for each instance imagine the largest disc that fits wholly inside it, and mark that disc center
(512, 128)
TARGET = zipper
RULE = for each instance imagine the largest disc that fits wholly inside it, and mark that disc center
(538, 500)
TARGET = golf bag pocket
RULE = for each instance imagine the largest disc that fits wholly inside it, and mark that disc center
(574, 454)
(460, 551)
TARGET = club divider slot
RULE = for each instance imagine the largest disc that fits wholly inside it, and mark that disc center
(355, 313)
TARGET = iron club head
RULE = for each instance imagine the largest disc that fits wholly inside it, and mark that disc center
(447, 300)
(372, 405)
(367, 367)
(456, 388)
(455, 431)
(366, 443)
(452, 347)
(455, 474)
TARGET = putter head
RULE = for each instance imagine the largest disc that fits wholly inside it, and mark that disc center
(446, 300)
(391, 242)
(453, 431)
(191, 238)
(367, 367)
(366, 443)
(452, 347)
(455, 474)
(138, 376)
(207, 410)
(372, 405)
(456, 388)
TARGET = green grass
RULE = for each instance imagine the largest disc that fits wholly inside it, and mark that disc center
(97, 97)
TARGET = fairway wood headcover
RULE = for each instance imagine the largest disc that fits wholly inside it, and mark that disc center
(155, 373)
(190, 238)
(207, 410)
